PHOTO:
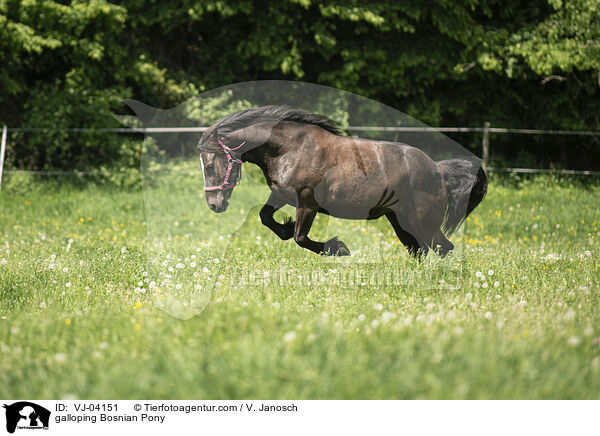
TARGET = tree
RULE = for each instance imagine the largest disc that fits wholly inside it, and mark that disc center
(515, 63)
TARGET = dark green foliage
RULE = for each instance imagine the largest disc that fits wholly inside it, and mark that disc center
(514, 63)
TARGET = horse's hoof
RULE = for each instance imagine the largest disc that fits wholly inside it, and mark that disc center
(335, 247)
(288, 229)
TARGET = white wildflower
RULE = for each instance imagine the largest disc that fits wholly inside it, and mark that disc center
(387, 316)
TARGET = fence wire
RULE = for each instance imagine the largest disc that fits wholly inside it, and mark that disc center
(486, 130)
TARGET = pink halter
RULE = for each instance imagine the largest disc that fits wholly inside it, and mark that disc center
(230, 161)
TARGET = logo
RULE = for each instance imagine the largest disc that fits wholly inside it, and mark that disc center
(26, 415)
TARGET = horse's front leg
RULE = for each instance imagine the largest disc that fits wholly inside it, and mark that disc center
(286, 230)
(305, 215)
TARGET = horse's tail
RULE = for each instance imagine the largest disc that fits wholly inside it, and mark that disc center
(465, 187)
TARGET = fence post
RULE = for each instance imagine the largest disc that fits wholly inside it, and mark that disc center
(485, 144)
(2, 150)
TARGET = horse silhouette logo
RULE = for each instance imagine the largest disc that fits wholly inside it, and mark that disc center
(26, 415)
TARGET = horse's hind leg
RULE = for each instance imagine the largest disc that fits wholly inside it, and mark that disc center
(409, 241)
(286, 230)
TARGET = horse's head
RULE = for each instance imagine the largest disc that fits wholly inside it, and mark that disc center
(223, 144)
(220, 169)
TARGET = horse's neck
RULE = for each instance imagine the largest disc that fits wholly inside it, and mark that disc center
(266, 157)
(268, 154)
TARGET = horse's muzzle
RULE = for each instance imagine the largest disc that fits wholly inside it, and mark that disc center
(218, 208)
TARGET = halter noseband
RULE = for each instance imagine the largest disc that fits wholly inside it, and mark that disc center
(230, 161)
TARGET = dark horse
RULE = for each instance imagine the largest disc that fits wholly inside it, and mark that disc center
(309, 165)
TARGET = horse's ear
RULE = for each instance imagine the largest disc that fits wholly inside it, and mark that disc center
(144, 115)
(139, 108)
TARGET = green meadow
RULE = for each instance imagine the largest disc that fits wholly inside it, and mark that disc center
(145, 293)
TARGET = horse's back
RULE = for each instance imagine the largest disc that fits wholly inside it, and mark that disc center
(401, 163)
(354, 186)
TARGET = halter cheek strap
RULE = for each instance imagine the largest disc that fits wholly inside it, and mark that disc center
(230, 161)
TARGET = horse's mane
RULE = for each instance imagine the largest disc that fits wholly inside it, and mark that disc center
(238, 120)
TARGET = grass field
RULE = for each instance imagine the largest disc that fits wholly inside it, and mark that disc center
(105, 296)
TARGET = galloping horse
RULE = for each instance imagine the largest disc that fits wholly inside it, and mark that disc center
(309, 165)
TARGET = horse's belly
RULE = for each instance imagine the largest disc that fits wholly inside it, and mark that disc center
(337, 204)
(349, 212)
(347, 203)
(342, 194)
(345, 210)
